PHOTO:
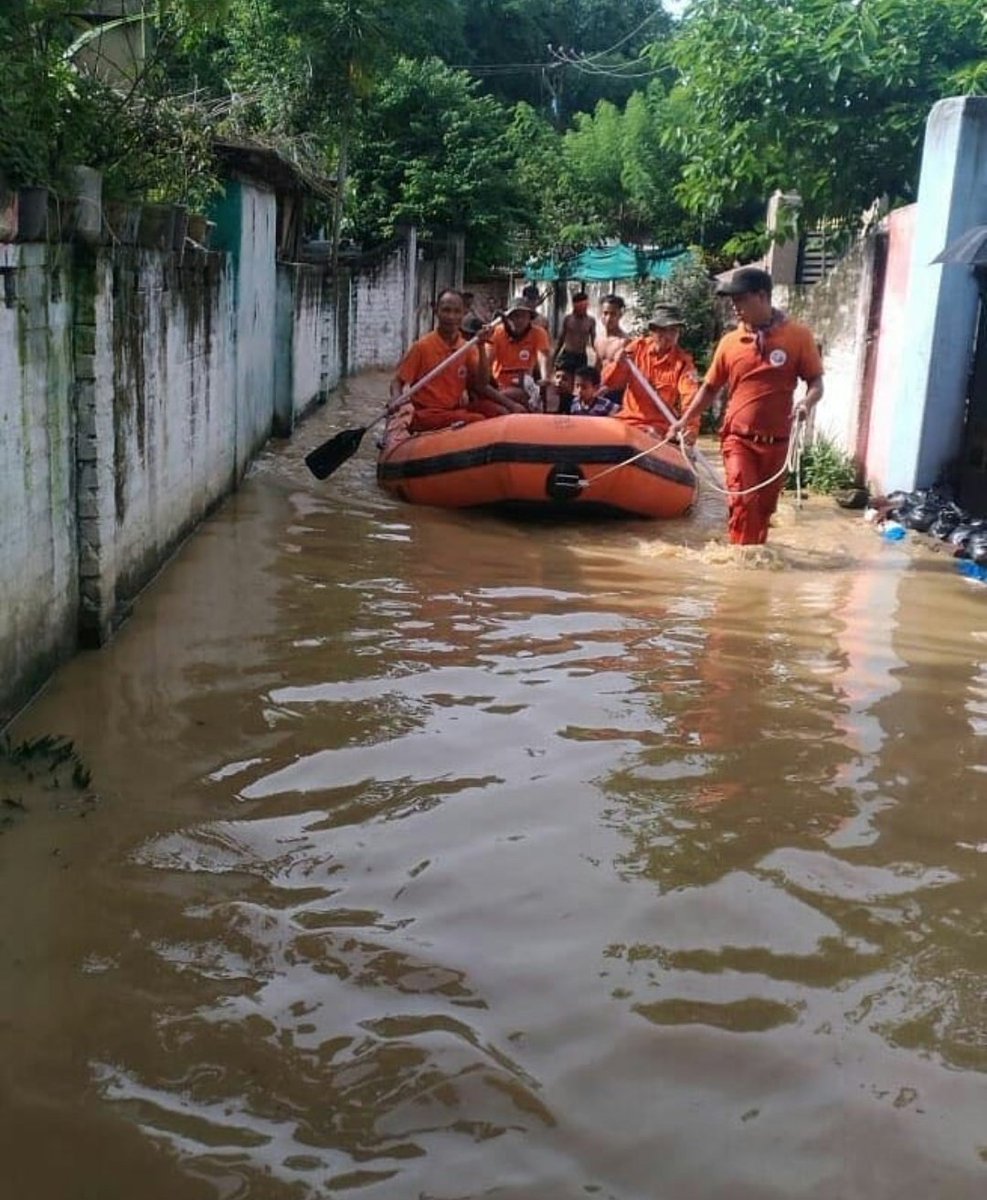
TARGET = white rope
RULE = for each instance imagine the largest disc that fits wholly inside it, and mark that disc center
(791, 465)
(793, 456)
(585, 483)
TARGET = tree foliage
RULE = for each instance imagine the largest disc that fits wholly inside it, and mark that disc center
(828, 97)
(431, 149)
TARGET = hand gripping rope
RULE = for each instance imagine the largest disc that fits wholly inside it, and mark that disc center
(791, 465)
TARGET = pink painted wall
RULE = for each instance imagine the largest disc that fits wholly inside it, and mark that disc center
(892, 336)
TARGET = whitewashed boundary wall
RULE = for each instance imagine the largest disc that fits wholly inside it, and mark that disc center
(838, 309)
(135, 387)
(39, 580)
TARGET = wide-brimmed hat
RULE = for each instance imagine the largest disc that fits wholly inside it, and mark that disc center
(519, 304)
(665, 316)
(744, 281)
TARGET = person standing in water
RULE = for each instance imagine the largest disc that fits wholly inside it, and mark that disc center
(760, 363)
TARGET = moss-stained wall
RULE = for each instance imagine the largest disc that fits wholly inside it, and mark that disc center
(38, 561)
(135, 387)
(837, 310)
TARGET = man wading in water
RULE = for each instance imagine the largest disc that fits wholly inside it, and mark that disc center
(760, 363)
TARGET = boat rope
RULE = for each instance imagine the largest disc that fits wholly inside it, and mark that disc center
(585, 483)
(791, 466)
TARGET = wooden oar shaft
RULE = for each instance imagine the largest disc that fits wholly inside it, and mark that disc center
(665, 411)
(444, 365)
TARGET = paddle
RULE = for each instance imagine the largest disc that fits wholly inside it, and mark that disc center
(331, 455)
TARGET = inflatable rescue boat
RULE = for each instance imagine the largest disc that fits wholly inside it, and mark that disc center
(585, 465)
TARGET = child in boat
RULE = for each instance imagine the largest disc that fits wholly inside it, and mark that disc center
(590, 400)
(558, 391)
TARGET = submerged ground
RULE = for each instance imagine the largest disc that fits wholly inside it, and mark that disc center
(431, 854)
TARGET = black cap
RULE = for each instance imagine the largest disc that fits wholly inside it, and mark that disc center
(744, 281)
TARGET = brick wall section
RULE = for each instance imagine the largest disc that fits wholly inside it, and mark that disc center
(378, 322)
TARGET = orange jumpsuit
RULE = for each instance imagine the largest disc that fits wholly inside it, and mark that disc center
(761, 370)
(443, 401)
(672, 375)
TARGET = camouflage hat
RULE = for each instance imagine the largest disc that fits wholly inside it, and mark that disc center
(665, 316)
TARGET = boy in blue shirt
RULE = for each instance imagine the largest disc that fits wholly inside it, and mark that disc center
(589, 400)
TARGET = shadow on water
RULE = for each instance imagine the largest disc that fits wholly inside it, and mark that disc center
(449, 855)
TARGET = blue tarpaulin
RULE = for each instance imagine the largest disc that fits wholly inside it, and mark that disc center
(600, 263)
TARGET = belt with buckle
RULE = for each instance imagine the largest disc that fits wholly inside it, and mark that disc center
(759, 439)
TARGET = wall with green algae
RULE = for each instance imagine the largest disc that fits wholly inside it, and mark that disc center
(38, 562)
(136, 387)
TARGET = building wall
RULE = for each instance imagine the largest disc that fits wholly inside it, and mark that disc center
(38, 559)
(135, 387)
(891, 340)
(837, 309)
(943, 301)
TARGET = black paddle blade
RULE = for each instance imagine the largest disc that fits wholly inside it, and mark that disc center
(331, 455)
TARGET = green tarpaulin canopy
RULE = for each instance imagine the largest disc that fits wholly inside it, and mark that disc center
(600, 263)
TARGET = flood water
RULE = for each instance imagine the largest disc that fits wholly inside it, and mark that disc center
(439, 855)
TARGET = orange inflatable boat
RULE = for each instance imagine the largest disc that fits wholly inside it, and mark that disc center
(538, 460)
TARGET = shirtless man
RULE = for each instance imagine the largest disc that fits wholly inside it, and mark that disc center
(578, 333)
(613, 336)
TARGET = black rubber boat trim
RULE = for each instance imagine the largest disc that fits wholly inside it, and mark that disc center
(509, 452)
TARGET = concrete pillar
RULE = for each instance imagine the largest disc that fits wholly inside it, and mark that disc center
(95, 442)
(782, 222)
(942, 300)
(409, 324)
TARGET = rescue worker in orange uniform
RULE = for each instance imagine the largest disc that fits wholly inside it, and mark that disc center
(760, 363)
(518, 352)
(455, 394)
(667, 367)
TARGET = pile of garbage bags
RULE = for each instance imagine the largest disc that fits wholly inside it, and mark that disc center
(931, 512)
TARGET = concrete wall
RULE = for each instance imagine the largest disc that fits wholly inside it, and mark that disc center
(893, 335)
(837, 310)
(38, 559)
(135, 387)
(380, 326)
(942, 300)
(158, 415)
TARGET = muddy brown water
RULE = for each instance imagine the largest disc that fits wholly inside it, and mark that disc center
(441, 855)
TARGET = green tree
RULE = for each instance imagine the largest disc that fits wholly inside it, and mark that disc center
(430, 149)
(827, 97)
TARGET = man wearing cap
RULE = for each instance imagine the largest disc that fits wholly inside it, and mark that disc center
(667, 367)
(760, 363)
(517, 350)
